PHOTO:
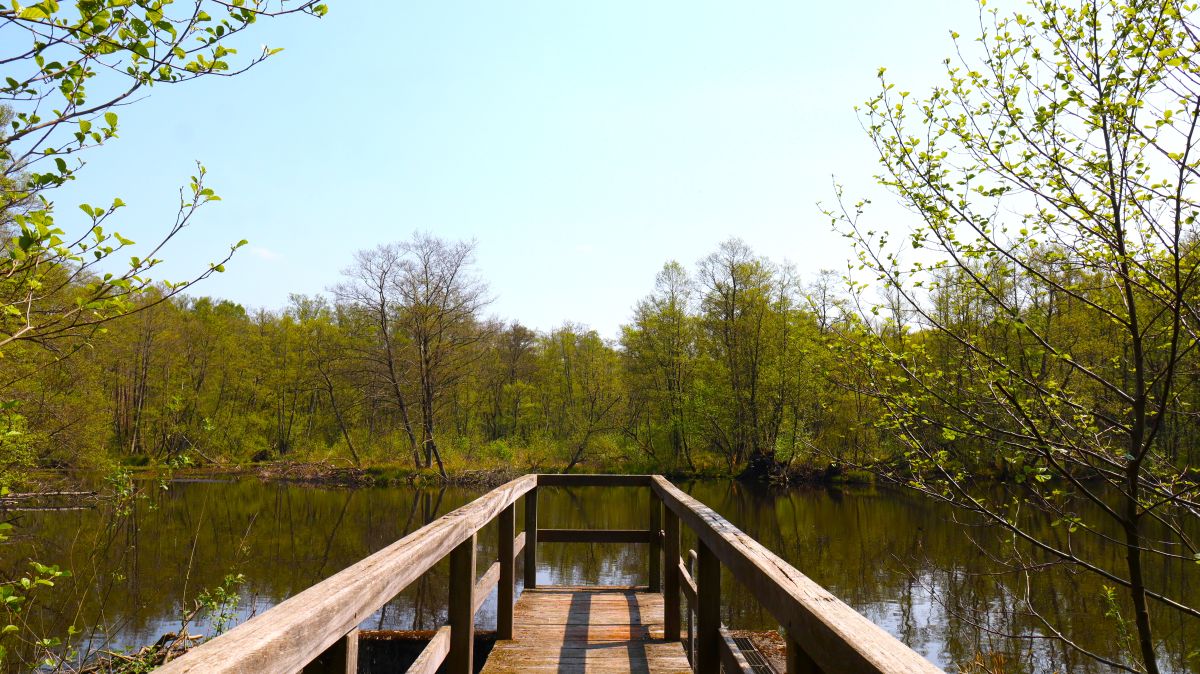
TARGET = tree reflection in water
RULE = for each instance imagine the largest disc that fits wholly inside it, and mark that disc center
(902, 561)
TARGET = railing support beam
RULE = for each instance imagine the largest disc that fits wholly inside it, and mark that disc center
(462, 608)
(504, 593)
(340, 658)
(531, 538)
(798, 661)
(671, 579)
(708, 613)
(655, 543)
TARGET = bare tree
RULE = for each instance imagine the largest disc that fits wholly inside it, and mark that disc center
(370, 286)
(440, 301)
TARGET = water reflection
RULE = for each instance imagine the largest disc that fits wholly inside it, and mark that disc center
(903, 562)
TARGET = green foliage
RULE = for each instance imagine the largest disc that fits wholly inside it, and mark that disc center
(219, 604)
(1045, 326)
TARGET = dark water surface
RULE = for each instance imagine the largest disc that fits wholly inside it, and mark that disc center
(901, 561)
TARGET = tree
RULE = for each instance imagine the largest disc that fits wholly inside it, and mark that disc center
(1052, 308)
(440, 302)
(735, 311)
(372, 288)
(580, 388)
(57, 283)
(660, 347)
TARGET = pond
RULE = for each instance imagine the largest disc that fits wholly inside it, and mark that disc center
(900, 560)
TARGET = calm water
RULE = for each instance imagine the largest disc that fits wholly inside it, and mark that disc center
(899, 560)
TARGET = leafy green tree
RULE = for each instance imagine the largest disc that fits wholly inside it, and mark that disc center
(660, 349)
(1049, 314)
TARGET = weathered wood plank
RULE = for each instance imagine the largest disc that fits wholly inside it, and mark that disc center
(671, 575)
(687, 585)
(531, 538)
(833, 634)
(340, 658)
(292, 634)
(462, 608)
(584, 480)
(708, 611)
(433, 654)
(484, 586)
(507, 526)
(655, 543)
(732, 660)
(593, 536)
(588, 629)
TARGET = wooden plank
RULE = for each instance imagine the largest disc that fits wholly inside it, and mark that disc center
(588, 629)
(290, 635)
(462, 608)
(518, 545)
(487, 582)
(433, 654)
(504, 596)
(732, 659)
(687, 585)
(798, 661)
(834, 635)
(708, 611)
(593, 536)
(340, 658)
(655, 544)
(585, 480)
(690, 585)
(671, 576)
(531, 538)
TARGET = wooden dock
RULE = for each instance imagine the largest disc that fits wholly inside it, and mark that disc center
(566, 629)
(592, 629)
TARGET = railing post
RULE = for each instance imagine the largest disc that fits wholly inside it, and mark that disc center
(462, 608)
(655, 543)
(504, 590)
(708, 613)
(691, 614)
(340, 658)
(671, 579)
(798, 661)
(531, 500)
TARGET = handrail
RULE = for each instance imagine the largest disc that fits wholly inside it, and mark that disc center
(291, 635)
(830, 635)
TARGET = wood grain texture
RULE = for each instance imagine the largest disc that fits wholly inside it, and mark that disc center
(655, 544)
(835, 636)
(732, 660)
(463, 606)
(433, 654)
(671, 576)
(292, 634)
(531, 538)
(507, 584)
(588, 629)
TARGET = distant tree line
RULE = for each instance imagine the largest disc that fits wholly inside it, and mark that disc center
(724, 368)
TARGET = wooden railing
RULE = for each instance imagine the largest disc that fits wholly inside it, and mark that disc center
(317, 630)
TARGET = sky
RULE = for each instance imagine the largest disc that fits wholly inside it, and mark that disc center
(581, 144)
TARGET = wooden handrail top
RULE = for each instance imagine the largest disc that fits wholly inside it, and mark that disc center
(292, 634)
(834, 635)
(592, 480)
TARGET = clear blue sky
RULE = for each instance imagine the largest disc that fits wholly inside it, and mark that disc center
(581, 144)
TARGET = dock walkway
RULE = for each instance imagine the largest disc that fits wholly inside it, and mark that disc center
(593, 629)
(567, 629)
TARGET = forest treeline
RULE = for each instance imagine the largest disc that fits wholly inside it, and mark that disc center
(722, 367)
(740, 365)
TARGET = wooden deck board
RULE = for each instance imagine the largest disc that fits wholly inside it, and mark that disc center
(588, 629)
